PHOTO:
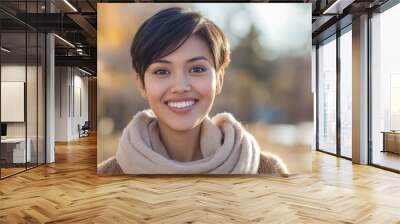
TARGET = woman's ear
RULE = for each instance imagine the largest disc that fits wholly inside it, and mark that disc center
(139, 85)
(220, 80)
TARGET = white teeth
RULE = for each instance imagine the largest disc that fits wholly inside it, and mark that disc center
(182, 104)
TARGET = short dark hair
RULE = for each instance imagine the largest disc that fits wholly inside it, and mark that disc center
(167, 30)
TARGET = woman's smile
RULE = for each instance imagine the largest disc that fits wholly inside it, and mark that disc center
(181, 106)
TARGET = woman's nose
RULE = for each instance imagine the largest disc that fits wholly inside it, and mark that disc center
(181, 84)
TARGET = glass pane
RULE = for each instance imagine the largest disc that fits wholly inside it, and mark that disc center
(31, 98)
(327, 97)
(31, 86)
(23, 89)
(346, 94)
(386, 89)
(13, 86)
(41, 98)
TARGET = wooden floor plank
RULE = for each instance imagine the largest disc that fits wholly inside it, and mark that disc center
(69, 191)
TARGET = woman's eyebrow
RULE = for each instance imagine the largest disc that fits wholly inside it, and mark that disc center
(197, 58)
(190, 60)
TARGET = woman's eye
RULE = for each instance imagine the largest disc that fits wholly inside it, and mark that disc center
(197, 69)
(161, 72)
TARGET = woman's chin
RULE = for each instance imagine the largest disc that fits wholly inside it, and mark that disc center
(182, 127)
(182, 123)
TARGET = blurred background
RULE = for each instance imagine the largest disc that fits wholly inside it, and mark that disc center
(267, 85)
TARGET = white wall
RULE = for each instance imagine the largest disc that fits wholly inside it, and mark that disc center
(80, 100)
(71, 93)
(61, 103)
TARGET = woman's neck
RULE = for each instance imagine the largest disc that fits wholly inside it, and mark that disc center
(181, 146)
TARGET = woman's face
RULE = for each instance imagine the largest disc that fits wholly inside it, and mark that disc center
(182, 86)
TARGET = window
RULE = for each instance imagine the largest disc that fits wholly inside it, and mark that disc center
(385, 89)
(327, 96)
(346, 93)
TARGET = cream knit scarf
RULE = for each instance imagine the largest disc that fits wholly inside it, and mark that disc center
(227, 148)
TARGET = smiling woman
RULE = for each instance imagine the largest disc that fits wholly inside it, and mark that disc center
(180, 59)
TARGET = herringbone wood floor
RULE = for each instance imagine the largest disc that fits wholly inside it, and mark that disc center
(69, 191)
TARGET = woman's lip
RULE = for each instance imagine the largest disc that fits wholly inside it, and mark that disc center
(181, 100)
